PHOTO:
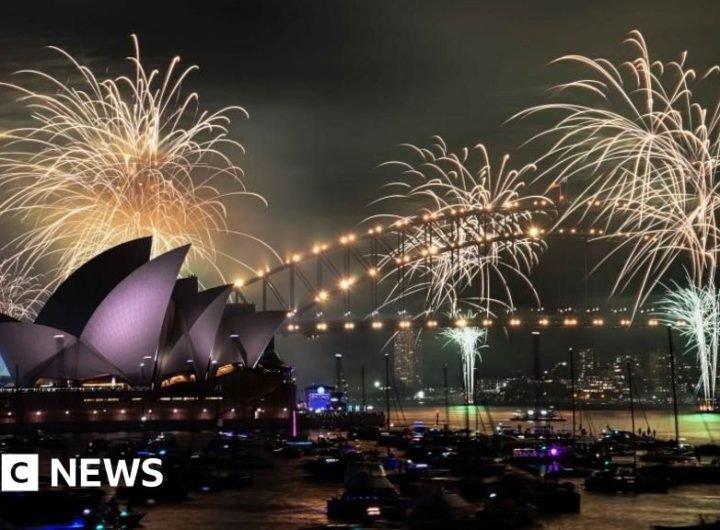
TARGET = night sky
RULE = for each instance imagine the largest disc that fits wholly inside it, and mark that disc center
(333, 87)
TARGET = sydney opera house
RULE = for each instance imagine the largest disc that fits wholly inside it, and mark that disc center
(123, 339)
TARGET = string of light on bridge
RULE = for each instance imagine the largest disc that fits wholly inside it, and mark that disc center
(349, 239)
(512, 322)
(345, 284)
(396, 259)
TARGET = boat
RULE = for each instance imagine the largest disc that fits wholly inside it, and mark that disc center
(555, 497)
(109, 517)
(546, 496)
(441, 510)
(540, 415)
(623, 479)
(332, 466)
(245, 451)
(506, 511)
(130, 518)
(680, 470)
(368, 495)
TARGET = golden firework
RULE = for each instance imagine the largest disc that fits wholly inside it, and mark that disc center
(108, 160)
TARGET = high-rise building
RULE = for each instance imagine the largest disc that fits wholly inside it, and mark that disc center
(406, 360)
(657, 372)
(587, 364)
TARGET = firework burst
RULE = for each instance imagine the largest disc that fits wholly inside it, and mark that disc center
(481, 235)
(470, 340)
(695, 312)
(20, 291)
(645, 155)
(107, 160)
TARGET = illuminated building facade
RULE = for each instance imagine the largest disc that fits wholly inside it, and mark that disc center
(407, 347)
(123, 322)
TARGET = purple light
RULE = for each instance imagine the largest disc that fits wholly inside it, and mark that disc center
(255, 331)
(128, 322)
(554, 451)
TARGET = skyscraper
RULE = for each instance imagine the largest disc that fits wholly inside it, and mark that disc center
(406, 360)
(340, 381)
(587, 365)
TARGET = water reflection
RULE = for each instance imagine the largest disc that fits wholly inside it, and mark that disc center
(694, 427)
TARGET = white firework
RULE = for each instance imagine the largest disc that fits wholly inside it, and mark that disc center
(20, 291)
(645, 154)
(695, 313)
(470, 340)
(477, 237)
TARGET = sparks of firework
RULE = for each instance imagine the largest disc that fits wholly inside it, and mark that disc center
(20, 291)
(470, 261)
(470, 340)
(650, 152)
(645, 154)
(695, 312)
(107, 160)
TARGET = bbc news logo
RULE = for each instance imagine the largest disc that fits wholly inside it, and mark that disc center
(21, 472)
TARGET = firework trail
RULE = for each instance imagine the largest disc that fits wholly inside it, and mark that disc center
(20, 291)
(107, 160)
(645, 155)
(695, 312)
(469, 263)
(470, 340)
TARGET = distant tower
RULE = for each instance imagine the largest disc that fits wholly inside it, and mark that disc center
(587, 366)
(340, 383)
(406, 360)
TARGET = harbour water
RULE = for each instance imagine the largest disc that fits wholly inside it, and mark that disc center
(694, 427)
(285, 498)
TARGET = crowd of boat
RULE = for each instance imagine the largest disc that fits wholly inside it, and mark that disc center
(416, 477)
(434, 478)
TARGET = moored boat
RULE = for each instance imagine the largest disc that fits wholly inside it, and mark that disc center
(368, 495)
(618, 479)
(540, 415)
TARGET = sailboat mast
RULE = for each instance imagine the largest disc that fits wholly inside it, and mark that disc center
(387, 391)
(572, 387)
(447, 399)
(537, 370)
(632, 411)
(674, 390)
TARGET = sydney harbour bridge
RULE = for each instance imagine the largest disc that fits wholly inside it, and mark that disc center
(367, 280)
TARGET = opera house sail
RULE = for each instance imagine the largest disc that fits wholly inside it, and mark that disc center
(124, 323)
